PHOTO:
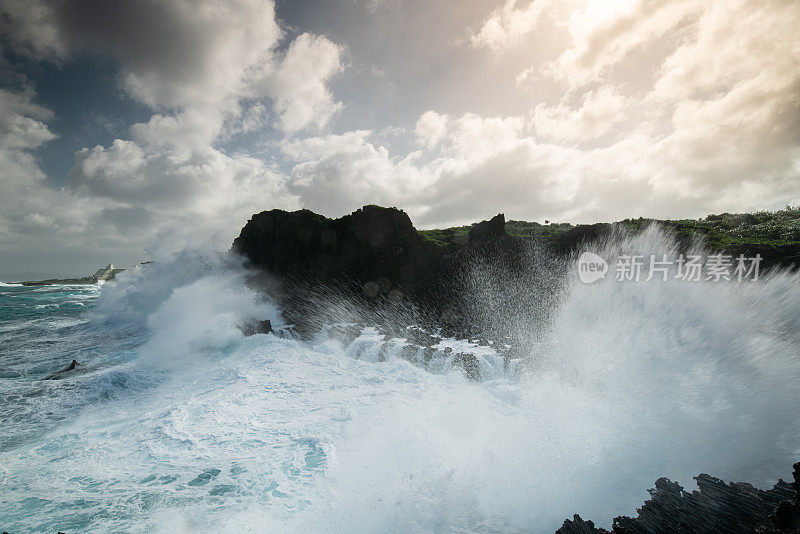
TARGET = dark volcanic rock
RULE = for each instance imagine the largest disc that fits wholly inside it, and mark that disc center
(784, 256)
(579, 526)
(63, 372)
(469, 363)
(373, 267)
(574, 238)
(257, 327)
(714, 507)
(375, 255)
(376, 248)
(490, 230)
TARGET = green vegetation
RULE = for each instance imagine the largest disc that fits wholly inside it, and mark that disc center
(720, 231)
(448, 236)
(534, 230)
(727, 229)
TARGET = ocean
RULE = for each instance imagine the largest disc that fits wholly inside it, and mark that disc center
(175, 421)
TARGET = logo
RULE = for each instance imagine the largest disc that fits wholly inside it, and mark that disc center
(591, 267)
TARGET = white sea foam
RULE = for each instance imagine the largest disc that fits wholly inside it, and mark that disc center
(203, 429)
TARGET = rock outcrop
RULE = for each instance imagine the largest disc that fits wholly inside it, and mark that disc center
(376, 248)
(714, 507)
(64, 372)
(471, 281)
(375, 255)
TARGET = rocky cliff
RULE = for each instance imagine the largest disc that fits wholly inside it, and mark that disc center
(374, 254)
(376, 248)
(470, 279)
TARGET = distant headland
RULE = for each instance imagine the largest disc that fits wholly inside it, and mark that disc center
(103, 274)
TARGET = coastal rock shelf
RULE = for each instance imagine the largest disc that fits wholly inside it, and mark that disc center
(714, 507)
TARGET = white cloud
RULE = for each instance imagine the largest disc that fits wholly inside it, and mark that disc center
(29, 25)
(124, 197)
(339, 173)
(474, 138)
(298, 84)
(430, 129)
(192, 62)
(664, 108)
(509, 24)
(203, 182)
(602, 34)
(598, 113)
(191, 129)
(29, 207)
(22, 127)
(209, 71)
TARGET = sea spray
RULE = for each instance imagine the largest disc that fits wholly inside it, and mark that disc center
(182, 424)
(627, 383)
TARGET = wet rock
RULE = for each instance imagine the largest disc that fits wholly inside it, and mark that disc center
(372, 255)
(64, 372)
(579, 526)
(257, 327)
(420, 337)
(427, 355)
(469, 363)
(714, 507)
(580, 235)
(344, 333)
(786, 517)
(410, 353)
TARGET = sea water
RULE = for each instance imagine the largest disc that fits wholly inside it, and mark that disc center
(177, 422)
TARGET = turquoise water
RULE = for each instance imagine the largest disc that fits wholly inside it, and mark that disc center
(176, 422)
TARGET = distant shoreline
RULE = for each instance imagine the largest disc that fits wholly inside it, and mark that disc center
(60, 282)
(102, 275)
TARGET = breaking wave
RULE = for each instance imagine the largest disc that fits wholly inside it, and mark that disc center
(177, 422)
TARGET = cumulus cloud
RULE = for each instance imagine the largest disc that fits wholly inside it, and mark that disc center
(598, 113)
(192, 62)
(29, 208)
(508, 24)
(603, 34)
(213, 190)
(120, 199)
(667, 108)
(298, 84)
(208, 71)
(339, 173)
(431, 127)
(23, 126)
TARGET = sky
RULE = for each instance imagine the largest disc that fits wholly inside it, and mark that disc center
(130, 128)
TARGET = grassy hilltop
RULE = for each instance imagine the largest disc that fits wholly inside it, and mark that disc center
(724, 231)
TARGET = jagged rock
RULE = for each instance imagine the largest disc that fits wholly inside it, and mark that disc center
(490, 230)
(63, 372)
(427, 355)
(410, 352)
(579, 526)
(786, 518)
(469, 363)
(257, 327)
(373, 254)
(574, 238)
(344, 333)
(420, 337)
(375, 248)
(714, 507)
